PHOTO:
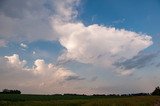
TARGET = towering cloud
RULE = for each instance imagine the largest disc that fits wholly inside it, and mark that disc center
(33, 20)
(96, 44)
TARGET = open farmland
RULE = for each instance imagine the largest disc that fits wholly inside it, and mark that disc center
(76, 100)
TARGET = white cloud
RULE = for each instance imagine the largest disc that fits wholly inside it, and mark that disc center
(30, 20)
(13, 69)
(40, 67)
(99, 44)
(65, 10)
(33, 52)
(58, 73)
(96, 44)
(25, 20)
(15, 61)
(122, 72)
(23, 45)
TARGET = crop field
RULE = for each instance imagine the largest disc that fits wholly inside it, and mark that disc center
(76, 100)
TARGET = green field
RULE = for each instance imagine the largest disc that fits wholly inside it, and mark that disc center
(76, 100)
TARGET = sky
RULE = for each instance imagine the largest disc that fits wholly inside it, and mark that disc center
(80, 46)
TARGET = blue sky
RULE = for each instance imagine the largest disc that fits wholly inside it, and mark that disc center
(140, 16)
(107, 46)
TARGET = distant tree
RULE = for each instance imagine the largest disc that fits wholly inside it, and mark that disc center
(140, 94)
(6, 91)
(156, 91)
(99, 95)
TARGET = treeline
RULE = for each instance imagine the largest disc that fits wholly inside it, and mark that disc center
(104, 95)
(156, 92)
(7, 91)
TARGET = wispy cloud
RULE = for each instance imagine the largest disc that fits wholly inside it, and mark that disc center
(119, 21)
(139, 61)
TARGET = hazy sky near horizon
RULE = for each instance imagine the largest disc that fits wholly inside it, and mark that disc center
(80, 46)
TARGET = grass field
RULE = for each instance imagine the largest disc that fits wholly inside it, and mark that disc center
(78, 100)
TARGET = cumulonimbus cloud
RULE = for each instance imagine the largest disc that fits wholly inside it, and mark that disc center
(56, 19)
(28, 20)
(99, 44)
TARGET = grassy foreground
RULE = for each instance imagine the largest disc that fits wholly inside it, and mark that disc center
(59, 100)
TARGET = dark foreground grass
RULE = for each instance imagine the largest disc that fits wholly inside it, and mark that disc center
(48, 100)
